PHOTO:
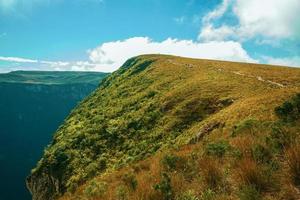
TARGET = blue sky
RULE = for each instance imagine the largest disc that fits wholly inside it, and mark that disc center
(99, 35)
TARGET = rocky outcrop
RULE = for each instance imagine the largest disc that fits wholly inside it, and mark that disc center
(43, 186)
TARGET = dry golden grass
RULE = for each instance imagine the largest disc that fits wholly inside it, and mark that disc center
(293, 161)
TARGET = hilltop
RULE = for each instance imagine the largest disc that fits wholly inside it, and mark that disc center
(164, 127)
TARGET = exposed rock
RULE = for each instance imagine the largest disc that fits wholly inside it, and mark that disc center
(206, 129)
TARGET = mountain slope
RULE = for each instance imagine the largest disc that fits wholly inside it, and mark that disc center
(32, 107)
(157, 103)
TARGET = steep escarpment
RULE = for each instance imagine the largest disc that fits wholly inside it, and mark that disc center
(152, 104)
(33, 104)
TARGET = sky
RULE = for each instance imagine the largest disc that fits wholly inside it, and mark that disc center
(100, 35)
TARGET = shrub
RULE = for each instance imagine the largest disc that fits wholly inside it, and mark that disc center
(289, 111)
(261, 154)
(208, 195)
(91, 170)
(164, 186)
(293, 160)
(95, 189)
(130, 181)
(248, 125)
(249, 192)
(188, 195)
(279, 138)
(121, 193)
(169, 162)
(217, 149)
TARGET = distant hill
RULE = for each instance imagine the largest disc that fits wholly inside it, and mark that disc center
(173, 128)
(32, 106)
(51, 77)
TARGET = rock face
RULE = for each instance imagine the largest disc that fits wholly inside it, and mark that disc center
(43, 186)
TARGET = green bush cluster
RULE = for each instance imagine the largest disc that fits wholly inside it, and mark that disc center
(208, 194)
(248, 125)
(164, 186)
(279, 138)
(217, 148)
(289, 111)
(249, 192)
(188, 195)
(170, 161)
(261, 154)
(130, 181)
(95, 189)
(121, 193)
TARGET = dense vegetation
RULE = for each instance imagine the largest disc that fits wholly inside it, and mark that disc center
(30, 114)
(165, 127)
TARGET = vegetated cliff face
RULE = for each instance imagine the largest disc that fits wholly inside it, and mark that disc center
(153, 103)
(33, 105)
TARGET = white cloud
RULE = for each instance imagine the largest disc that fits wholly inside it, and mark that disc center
(271, 18)
(55, 63)
(287, 61)
(17, 59)
(217, 13)
(276, 19)
(110, 56)
(209, 33)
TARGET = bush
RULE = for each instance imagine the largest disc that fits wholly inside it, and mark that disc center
(261, 154)
(130, 181)
(279, 138)
(91, 170)
(165, 187)
(208, 195)
(169, 162)
(248, 125)
(249, 192)
(289, 111)
(121, 193)
(95, 189)
(293, 160)
(188, 195)
(217, 149)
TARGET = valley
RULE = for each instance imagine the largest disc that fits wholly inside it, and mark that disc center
(33, 105)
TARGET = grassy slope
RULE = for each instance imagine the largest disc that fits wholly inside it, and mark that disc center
(161, 103)
(52, 77)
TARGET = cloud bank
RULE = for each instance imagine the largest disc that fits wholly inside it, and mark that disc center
(276, 19)
(111, 55)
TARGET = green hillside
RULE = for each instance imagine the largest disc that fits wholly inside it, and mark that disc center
(51, 77)
(164, 127)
